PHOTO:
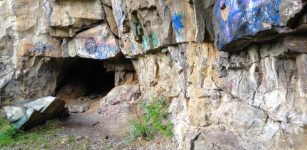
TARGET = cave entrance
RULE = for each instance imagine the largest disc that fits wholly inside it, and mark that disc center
(81, 82)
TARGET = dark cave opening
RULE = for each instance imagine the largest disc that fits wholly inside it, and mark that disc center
(80, 77)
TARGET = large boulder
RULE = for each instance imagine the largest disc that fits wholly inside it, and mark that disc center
(35, 112)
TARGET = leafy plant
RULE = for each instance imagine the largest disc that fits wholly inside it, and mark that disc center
(152, 121)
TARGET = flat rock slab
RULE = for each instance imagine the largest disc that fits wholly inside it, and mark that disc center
(35, 112)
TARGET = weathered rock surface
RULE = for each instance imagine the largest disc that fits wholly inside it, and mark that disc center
(235, 71)
(221, 100)
(34, 78)
(35, 112)
(96, 43)
(120, 106)
(14, 113)
(240, 23)
(66, 17)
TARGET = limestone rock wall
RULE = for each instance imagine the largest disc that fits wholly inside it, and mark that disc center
(234, 71)
(253, 99)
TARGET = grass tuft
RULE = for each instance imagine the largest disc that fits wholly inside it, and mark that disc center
(9, 135)
(7, 132)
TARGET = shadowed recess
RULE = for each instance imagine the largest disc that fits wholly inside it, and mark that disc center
(87, 75)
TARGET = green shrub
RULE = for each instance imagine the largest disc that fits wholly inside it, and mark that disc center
(152, 121)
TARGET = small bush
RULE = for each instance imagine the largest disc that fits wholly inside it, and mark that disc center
(152, 121)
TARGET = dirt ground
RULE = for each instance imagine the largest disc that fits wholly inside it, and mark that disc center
(88, 130)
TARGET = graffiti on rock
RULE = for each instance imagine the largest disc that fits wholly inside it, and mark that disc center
(90, 45)
(99, 49)
(155, 40)
(239, 18)
(119, 10)
(177, 22)
(178, 25)
(43, 49)
(151, 41)
(133, 49)
(146, 42)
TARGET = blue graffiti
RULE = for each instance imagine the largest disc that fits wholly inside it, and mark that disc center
(177, 22)
(133, 49)
(120, 7)
(90, 45)
(244, 18)
(100, 51)
(40, 48)
(105, 51)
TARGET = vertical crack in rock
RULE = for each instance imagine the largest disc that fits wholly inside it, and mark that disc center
(193, 141)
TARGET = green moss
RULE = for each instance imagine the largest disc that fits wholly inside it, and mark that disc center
(153, 121)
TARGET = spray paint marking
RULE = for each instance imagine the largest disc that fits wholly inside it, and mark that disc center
(177, 22)
(239, 18)
(100, 49)
(155, 40)
(178, 26)
(151, 40)
(43, 49)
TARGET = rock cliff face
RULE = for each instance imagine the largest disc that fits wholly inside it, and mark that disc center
(234, 71)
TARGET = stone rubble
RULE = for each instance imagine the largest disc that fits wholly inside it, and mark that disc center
(78, 108)
(235, 72)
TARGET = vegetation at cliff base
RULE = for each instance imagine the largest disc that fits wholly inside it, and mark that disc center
(9, 135)
(152, 121)
(7, 132)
